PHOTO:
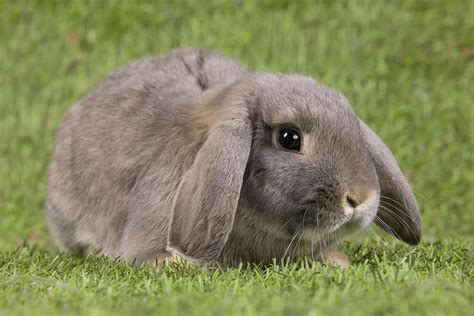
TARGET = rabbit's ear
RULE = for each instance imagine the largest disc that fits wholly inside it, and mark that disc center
(398, 213)
(208, 195)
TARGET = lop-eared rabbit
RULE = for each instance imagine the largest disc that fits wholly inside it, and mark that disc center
(193, 155)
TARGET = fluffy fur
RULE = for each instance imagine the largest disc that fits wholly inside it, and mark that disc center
(178, 155)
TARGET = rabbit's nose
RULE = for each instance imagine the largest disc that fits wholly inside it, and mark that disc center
(357, 197)
(352, 201)
(356, 193)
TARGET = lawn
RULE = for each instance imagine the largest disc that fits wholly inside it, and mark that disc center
(406, 66)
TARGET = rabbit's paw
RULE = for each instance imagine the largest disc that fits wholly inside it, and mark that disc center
(338, 259)
(160, 263)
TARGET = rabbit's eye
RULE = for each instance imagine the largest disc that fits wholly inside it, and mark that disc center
(289, 138)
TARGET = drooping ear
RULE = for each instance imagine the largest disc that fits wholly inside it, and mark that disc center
(208, 195)
(398, 212)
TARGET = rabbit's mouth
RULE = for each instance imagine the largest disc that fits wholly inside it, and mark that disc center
(313, 227)
(347, 220)
(321, 219)
(329, 235)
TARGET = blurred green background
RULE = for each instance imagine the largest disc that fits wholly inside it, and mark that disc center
(407, 67)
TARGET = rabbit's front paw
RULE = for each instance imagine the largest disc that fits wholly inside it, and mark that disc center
(338, 259)
(160, 263)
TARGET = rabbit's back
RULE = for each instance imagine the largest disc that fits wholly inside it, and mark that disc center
(132, 129)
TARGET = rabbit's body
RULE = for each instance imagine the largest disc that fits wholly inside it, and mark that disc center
(100, 165)
(130, 164)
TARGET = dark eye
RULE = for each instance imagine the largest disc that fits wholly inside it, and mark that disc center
(289, 138)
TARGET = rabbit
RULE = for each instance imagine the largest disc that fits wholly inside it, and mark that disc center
(192, 155)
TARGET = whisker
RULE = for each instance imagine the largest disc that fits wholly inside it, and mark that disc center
(391, 208)
(325, 245)
(312, 244)
(378, 237)
(397, 218)
(418, 194)
(397, 203)
(276, 233)
(298, 253)
(406, 225)
(292, 239)
(317, 227)
(382, 223)
(386, 206)
(296, 249)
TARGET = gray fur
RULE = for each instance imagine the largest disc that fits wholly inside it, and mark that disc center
(399, 214)
(177, 155)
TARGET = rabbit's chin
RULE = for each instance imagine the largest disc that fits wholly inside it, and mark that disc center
(336, 233)
(352, 222)
(359, 218)
(330, 235)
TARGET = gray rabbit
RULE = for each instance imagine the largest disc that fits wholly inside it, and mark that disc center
(192, 155)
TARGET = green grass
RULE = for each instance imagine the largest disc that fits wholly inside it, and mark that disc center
(406, 66)
(431, 279)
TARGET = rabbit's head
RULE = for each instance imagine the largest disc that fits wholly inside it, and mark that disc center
(297, 156)
(309, 169)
